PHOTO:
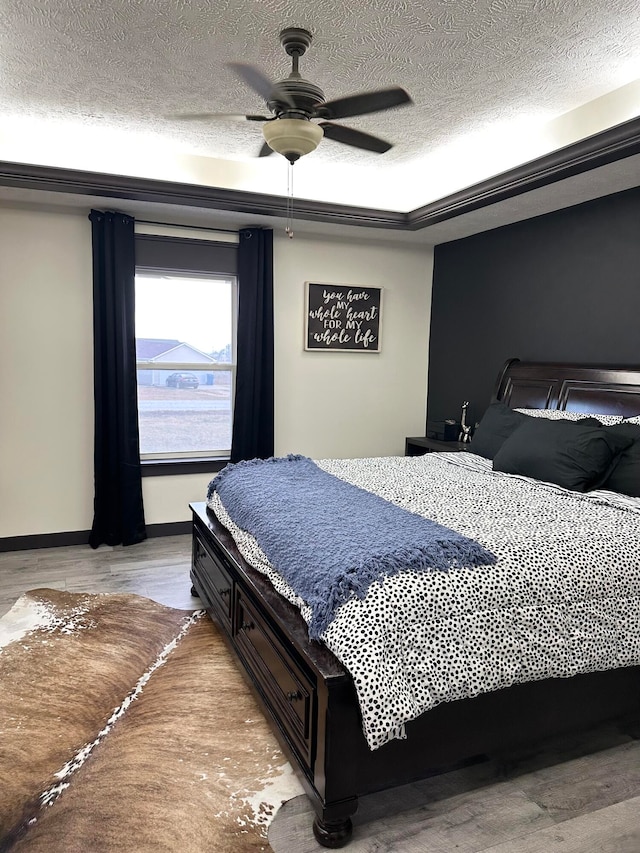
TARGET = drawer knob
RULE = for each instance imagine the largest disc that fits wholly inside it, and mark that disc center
(223, 592)
(294, 695)
(248, 626)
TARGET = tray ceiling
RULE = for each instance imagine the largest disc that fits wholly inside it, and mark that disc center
(119, 68)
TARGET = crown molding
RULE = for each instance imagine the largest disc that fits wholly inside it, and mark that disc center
(610, 145)
(598, 150)
(34, 177)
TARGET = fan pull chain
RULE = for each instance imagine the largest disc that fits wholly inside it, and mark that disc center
(289, 228)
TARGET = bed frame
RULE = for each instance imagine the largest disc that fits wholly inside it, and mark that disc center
(310, 698)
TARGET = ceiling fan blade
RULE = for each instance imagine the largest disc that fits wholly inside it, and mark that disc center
(265, 151)
(356, 138)
(366, 102)
(260, 83)
(210, 116)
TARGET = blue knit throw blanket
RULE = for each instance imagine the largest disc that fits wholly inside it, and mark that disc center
(331, 540)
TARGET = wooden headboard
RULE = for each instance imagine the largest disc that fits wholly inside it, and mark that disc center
(571, 387)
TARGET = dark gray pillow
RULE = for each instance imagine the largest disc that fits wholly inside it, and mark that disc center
(497, 424)
(625, 475)
(576, 455)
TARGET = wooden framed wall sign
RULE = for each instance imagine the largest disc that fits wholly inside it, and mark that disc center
(342, 317)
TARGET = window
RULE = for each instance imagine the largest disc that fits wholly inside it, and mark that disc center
(185, 357)
(185, 353)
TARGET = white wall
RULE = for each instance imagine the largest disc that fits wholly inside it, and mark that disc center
(333, 404)
(327, 404)
(46, 369)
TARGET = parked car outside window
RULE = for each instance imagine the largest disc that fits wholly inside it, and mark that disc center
(182, 380)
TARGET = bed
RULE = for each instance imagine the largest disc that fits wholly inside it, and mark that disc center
(310, 696)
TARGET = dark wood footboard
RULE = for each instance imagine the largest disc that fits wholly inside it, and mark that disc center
(306, 693)
(311, 702)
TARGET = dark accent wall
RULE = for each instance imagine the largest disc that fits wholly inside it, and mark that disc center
(561, 287)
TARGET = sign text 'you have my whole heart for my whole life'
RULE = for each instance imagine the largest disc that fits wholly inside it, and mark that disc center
(341, 317)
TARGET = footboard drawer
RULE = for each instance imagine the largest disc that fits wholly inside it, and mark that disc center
(278, 676)
(214, 578)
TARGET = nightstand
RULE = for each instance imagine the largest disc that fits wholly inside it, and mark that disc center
(418, 445)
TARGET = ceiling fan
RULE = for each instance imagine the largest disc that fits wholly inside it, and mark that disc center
(294, 102)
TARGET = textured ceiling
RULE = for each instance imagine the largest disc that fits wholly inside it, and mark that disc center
(467, 64)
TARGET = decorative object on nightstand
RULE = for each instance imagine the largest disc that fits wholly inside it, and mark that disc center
(443, 430)
(451, 430)
(465, 430)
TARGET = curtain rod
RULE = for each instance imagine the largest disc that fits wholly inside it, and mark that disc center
(190, 227)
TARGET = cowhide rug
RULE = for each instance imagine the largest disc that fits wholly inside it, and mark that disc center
(126, 726)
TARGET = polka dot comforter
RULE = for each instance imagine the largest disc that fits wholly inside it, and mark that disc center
(562, 599)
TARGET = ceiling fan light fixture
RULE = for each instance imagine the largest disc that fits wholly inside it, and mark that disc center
(292, 137)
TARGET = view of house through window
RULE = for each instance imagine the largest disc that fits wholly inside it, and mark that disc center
(185, 354)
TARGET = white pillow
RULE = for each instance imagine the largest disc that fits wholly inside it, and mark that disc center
(557, 415)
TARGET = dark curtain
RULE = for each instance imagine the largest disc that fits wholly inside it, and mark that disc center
(253, 411)
(118, 511)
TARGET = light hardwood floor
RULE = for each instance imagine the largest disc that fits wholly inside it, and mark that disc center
(156, 568)
(579, 795)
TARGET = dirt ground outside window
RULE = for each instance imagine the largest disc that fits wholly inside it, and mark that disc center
(184, 420)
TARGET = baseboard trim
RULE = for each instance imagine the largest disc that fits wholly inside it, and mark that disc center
(44, 540)
(81, 537)
(170, 528)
